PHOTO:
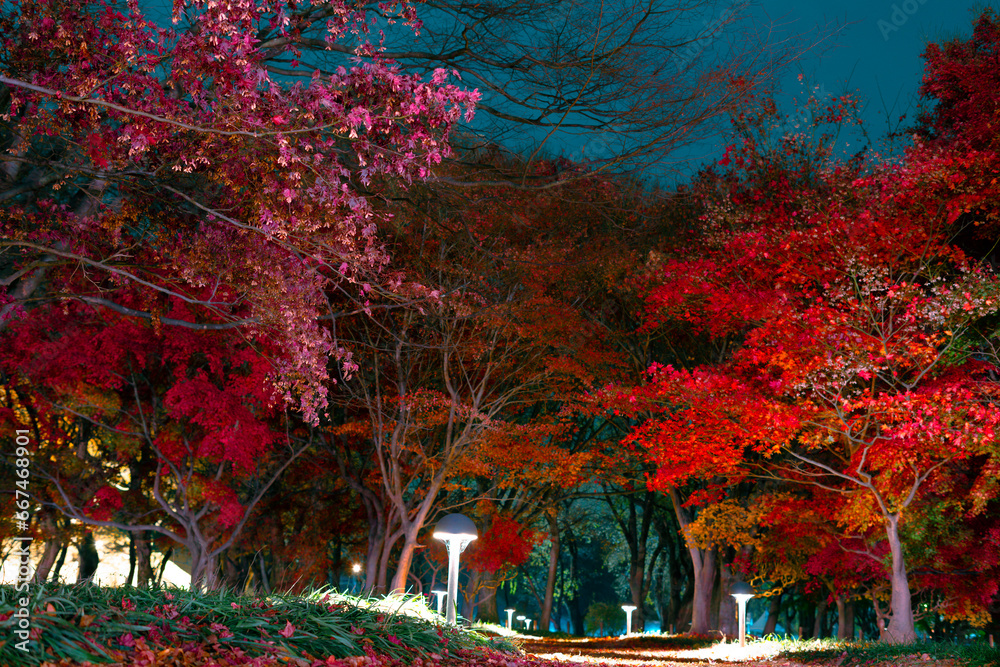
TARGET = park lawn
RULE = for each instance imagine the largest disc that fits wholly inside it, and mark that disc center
(684, 650)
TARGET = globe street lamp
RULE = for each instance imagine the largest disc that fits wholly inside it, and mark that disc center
(456, 531)
(742, 591)
(628, 619)
(440, 595)
(510, 618)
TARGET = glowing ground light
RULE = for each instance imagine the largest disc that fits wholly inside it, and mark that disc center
(742, 591)
(628, 618)
(456, 531)
(440, 596)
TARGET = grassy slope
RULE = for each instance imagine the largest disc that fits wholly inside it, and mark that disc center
(77, 625)
(90, 623)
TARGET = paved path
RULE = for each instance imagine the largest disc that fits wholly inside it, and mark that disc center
(640, 651)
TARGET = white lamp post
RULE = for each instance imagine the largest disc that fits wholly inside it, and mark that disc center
(742, 591)
(510, 618)
(628, 619)
(456, 531)
(440, 595)
(525, 619)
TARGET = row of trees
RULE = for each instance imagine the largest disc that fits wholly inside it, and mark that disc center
(253, 309)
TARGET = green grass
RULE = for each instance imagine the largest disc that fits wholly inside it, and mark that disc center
(975, 654)
(91, 623)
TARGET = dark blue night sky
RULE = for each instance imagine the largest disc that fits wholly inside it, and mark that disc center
(875, 54)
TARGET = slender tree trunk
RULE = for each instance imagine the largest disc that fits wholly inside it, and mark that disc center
(143, 558)
(637, 588)
(704, 563)
(89, 558)
(405, 558)
(842, 618)
(48, 558)
(658, 592)
(901, 628)
(819, 624)
(575, 610)
(773, 611)
(678, 573)
(550, 582)
(850, 619)
(163, 564)
(131, 558)
(59, 562)
(376, 543)
(383, 564)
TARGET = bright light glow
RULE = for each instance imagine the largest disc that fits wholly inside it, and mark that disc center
(456, 531)
(629, 608)
(742, 591)
(356, 568)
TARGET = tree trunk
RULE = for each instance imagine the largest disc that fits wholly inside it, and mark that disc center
(845, 618)
(59, 562)
(728, 618)
(850, 619)
(575, 610)
(550, 581)
(405, 558)
(819, 624)
(204, 569)
(703, 562)
(48, 558)
(901, 628)
(773, 611)
(163, 564)
(704, 584)
(89, 558)
(143, 559)
(661, 612)
(679, 571)
(131, 558)
(487, 610)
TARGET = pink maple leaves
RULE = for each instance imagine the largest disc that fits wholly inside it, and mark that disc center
(233, 172)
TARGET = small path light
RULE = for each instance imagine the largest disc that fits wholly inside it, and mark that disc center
(440, 595)
(456, 531)
(742, 591)
(629, 608)
(525, 619)
(355, 579)
(510, 618)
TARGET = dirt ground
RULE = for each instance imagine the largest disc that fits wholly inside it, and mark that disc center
(630, 653)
